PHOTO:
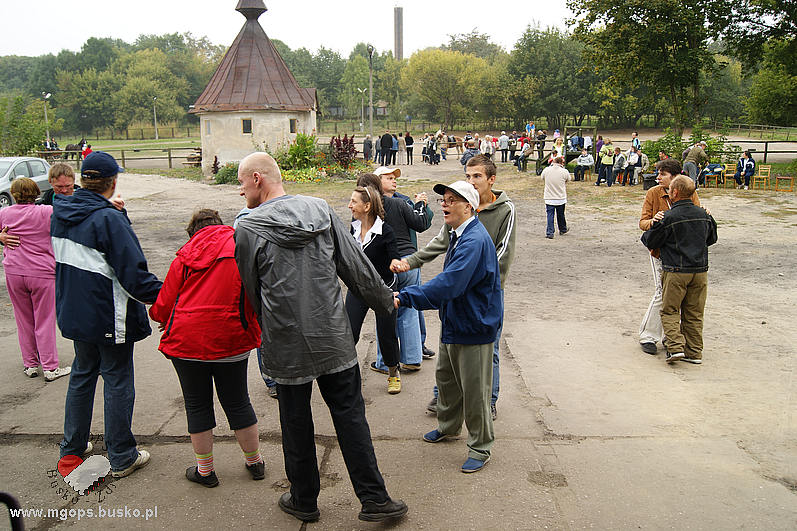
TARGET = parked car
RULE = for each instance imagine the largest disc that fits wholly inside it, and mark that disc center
(14, 167)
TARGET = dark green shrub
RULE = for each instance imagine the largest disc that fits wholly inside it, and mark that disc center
(228, 174)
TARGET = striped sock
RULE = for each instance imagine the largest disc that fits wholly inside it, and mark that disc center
(204, 464)
(252, 458)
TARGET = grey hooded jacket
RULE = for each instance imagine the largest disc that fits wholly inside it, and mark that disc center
(290, 252)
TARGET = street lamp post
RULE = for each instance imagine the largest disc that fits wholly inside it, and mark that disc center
(362, 107)
(371, 90)
(155, 116)
(46, 96)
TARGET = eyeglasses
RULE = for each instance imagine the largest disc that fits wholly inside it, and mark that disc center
(445, 202)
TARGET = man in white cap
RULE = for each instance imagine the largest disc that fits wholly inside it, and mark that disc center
(467, 294)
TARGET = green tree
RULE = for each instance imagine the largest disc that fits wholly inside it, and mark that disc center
(22, 125)
(554, 61)
(474, 43)
(355, 76)
(445, 81)
(661, 43)
(86, 98)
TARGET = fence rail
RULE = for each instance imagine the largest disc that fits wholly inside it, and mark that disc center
(166, 157)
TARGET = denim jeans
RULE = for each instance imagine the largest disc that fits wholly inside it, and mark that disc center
(422, 324)
(409, 330)
(559, 210)
(606, 175)
(115, 363)
(496, 360)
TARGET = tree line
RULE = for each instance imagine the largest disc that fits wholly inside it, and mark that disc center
(619, 60)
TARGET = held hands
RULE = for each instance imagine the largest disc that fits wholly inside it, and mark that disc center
(9, 240)
(399, 266)
(118, 202)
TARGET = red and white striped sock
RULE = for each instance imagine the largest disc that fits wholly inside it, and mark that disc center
(252, 458)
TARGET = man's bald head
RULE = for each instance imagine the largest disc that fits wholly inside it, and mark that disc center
(259, 178)
(262, 163)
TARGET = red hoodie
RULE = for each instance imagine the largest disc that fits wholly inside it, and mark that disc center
(202, 303)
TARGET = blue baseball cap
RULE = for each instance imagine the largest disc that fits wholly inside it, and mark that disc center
(100, 164)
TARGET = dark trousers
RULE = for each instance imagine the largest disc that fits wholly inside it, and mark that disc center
(356, 309)
(606, 175)
(579, 173)
(115, 364)
(197, 379)
(342, 394)
(409, 155)
(628, 175)
(393, 157)
(560, 219)
(503, 155)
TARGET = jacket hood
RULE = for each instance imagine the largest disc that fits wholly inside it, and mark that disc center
(500, 198)
(208, 245)
(291, 221)
(74, 209)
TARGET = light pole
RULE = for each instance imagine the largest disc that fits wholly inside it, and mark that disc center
(362, 107)
(371, 90)
(46, 96)
(155, 116)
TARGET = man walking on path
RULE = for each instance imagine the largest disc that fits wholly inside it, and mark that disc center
(657, 202)
(683, 235)
(385, 145)
(555, 177)
(100, 277)
(694, 159)
(468, 296)
(497, 213)
(290, 251)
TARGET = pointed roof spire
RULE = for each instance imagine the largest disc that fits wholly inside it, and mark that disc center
(252, 75)
(251, 9)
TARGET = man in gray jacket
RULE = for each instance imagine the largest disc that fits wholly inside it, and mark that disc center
(290, 251)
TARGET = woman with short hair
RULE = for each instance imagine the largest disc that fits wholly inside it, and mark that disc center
(209, 329)
(30, 279)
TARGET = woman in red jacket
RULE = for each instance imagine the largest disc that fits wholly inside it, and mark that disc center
(209, 328)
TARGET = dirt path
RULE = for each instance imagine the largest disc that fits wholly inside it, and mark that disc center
(591, 431)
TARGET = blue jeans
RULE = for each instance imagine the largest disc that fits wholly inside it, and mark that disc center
(269, 382)
(496, 359)
(559, 210)
(115, 363)
(409, 330)
(605, 175)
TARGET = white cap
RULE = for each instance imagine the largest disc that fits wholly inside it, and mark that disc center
(463, 189)
(384, 170)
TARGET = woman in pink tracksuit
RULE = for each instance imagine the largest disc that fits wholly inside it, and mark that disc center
(30, 279)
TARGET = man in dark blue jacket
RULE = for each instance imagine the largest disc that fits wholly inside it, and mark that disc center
(101, 281)
(468, 296)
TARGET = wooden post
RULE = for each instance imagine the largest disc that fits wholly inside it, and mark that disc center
(123, 158)
(170, 158)
(766, 149)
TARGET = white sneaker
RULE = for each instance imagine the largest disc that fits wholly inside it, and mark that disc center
(31, 372)
(141, 460)
(49, 376)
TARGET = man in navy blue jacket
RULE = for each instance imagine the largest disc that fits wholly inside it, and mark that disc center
(101, 281)
(468, 296)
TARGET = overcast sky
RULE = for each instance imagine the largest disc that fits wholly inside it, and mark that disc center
(48, 26)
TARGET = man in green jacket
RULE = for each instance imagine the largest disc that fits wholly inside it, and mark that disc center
(606, 157)
(497, 213)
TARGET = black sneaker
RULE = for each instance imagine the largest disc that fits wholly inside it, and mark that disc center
(649, 348)
(377, 369)
(376, 512)
(428, 353)
(286, 504)
(696, 361)
(432, 406)
(206, 481)
(258, 470)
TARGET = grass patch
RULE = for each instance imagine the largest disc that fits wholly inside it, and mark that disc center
(785, 168)
(780, 213)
